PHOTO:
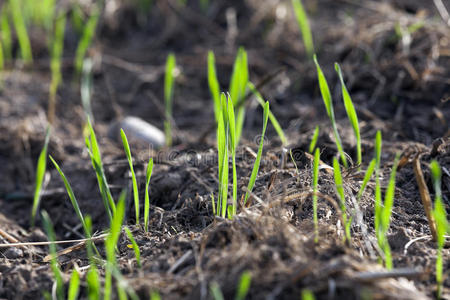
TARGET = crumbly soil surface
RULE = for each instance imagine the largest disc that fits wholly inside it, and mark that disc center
(400, 84)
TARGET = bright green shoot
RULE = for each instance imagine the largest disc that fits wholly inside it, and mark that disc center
(216, 292)
(238, 87)
(442, 224)
(137, 252)
(232, 146)
(378, 145)
(255, 170)
(21, 31)
(303, 24)
(96, 159)
(340, 192)
(384, 216)
(40, 172)
(314, 139)
(74, 286)
(85, 41)
(86, 88)
(351, 113)
(73, 200)
(148, 176)
(6, 37)
(168, 96)
(53, 262)
(367, 176)
(56, 51)
(213, 83)
(315, 190)
(126, 147)
(244, 285)
(326, 96)
(272, 117)
(111, 243)
(222, 153)
(307, 295)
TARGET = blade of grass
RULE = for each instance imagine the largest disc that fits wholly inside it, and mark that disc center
(351, 113)
(85, 41)
(133, 175)
(213, 83)
(326, 96)
(255, 170)
(232, 144)
(303, 24)
(137, 252)
(222, 152)
(40, 172)
(244, 285)
(340, 192)
(74, 286)
(315, 177)
(216, 293)
(21, 31)
(272, 117)
(148, 176)
(168, 96)
(367, 176)
(314, 139)
(378, 145)
(238, 86)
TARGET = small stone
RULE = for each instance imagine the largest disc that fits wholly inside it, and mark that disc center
(138, 130)
(13, 253)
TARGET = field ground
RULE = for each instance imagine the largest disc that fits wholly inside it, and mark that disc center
(400, 84)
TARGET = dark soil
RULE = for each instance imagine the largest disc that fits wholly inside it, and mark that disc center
(400, 86)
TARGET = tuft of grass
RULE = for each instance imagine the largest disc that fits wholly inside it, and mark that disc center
(367, 176)
(244, 285)
(21, 31)
(340, 192)
(137, 252)
(272, 117)
(168, 96)
(442, 224)
(303, 24)
(85, 41)
(56, 51)
(40, 172)
(255, 170)
(53, 262)
(133, 175)
(326, 96)
(315, 190)
(351, 113)
(314, 139)
(238, 87)
(148, 175)
(74, 286)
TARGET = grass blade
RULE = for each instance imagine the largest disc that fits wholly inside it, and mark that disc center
(168, 96)
(315, 190)
(40, 172)
(255, 170)
(85, 41)
(244, 285)
(216, 292)
(148, 176)
(74, 286)
(137, 252)
(232, 145)
(21, 31)
(213, 83)
(351, 113)
(238, 86)
(367, 176)
(314, 139)
(133, 175)
(303, 24)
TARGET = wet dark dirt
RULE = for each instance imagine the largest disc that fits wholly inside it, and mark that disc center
(400, 85)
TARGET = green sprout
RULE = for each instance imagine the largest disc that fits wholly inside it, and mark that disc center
(326, 96)
(315, 190)
(40, 172)
(340, 192)
(378, 145)
(222, 153)
(303, 24)
(148, 175)
(137, 252)
(213, 83)
(53, 262)
(307, 295)
(126, 147)
(351, 113)
(314, 139)
(86, 88)
(168, 96)
(367, 176)
(74, 286)
(21, 31)
(216, 292)
(85, 41)
(232, 148)
(244, 285)
(442, 224)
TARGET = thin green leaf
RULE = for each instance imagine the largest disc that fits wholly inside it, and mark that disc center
(137, 252)
(93, 283)
(74, 286)
(148, 176)
(367, 176)
(85, 41)
(213, 83)
(244, 285)
(216, 293)
(314, 139)
(126, 147)
(303, 24)
(21, 31)
(168, 96)
(315, 190)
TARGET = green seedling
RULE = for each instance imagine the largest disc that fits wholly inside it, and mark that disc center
(85, 41)
(74, 286)
(367, 176)
(133, 175)
(442, 224)
(73, 200)
(92, 276)
(326, 96)
(57, 46)
(238, 87)
(244, 285)
(21, 31)
(314, 139)
(272, 117)
(2, 58)
(154, 295)
(213, 83)
(351, 113)
(168, 96)
(384, 216)
(222, 154)
(232, 146)
(40, 172)
(255, 170)
(137, 252)
(96, 159)
(6, 36)
(378, 145)
(77, 19)
(148, 175)
(315, 190)
(111, 244)
(340, 192)
(86, 88)
(53, 262)
(303, 24)
(216, 292)
(307, 295)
